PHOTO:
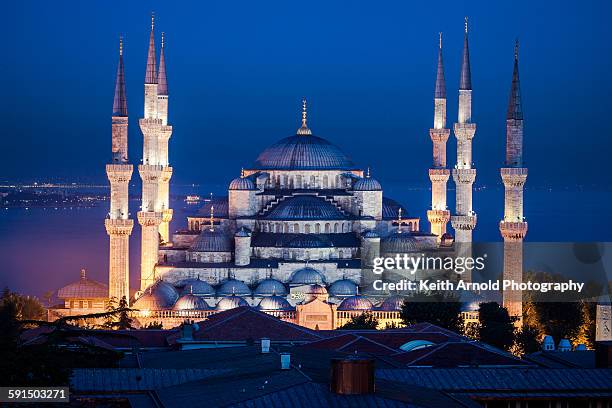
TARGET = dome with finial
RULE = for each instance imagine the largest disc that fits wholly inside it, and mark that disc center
(242, 183)
(234, 287)
(274, 303)
(356, 302)
(197, 287)
(269, 287)
(212, 239)
(231, 302)
(190, 302)
(392, 303)
(158, 296)
(343, 287)
(367, 183)
(307, 276)
(303, 151)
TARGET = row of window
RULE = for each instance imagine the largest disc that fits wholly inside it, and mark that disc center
(299, 181)
(306, 228)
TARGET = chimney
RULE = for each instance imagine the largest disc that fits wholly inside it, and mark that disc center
(603, 354)
(353, 375)
(265, 345)
(285, 361)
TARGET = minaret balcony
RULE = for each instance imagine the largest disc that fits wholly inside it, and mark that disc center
(119, 173)
(439, 175)
(438, 216)
(464, 176)
(150, 218)
(439, 135)
(465, 131)
(514, 176)
(464, 222)
(118, 226)
(513, 231)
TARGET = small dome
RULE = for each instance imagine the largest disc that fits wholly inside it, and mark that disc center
(399, 242)
(392, 303)
(356, 302)
(303, 152)
(234, 287)
(274, 303)
(243, 232)
(242, 183)
(314, 291)
(269, 287)
(158, 296)
(367, 184)
(307, 276)
(305, 207)
(370, 234)
(197, 287)
(190, 302)
(343, 287)
(231, 302)
(212, 241)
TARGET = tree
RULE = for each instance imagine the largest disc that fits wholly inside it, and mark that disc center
(26, 307)
(495, 326)
(437, 308)
(155, 325)
(124, 322)
(364, 321)
(527, 340)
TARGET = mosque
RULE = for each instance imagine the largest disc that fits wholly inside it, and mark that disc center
(298, 232)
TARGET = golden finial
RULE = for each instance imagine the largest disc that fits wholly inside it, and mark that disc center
(120, 45)
(304, 129)
(368, 172)
(162, 44)
(399, 220)
(152, 20)
(304, 112)
(466, 24)
(212, 217)
(242, 172)
(516, 49)
(440, 34)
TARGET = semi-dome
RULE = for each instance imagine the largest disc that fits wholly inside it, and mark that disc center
(272, 303)
(190, 302)
(392, 303)
(356, 302)
(242, 183)
(197, 287)
(231, 302)
(158, 296)
(303, 152)
(343, 287)
(305, 207)
(212, 240)
(367, 184)
(307, 276)
(269, 287)
(234, 287)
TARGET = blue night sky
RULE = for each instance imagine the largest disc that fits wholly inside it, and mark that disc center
(237, 72)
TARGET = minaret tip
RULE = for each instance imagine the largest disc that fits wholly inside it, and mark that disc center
(304, 129)
(121, 45)
(212, 217)
(440, 44)
(516, 49)
(466, 25)
(399, 220)
(162, 39)
(152, 20)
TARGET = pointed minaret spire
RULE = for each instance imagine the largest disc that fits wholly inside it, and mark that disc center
(440, 91)
(465, 82)
(162, 83)
(515, 110)
(150, 76)
(304, 129)
(399, 220)
(212, 217)
(120, 100)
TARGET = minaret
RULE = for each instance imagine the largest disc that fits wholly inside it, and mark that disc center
(439, 215)
(513, 227)
(164, 136)
(119, 172)
(154, 170)
(464, 175)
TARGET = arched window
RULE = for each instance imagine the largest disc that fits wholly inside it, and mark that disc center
(327, 228)
(291, 184)
(336, 227)
(313, 181)
(296, 228)
(341, 254)
(317, 228)
(325, 181)
(298, 181)
(307, 228)
(286, 227)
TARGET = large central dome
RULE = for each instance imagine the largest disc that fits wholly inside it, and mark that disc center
(303, 152)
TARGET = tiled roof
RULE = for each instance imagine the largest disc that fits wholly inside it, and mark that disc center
(221, 207)
(506, 379)
(246, 323)
(390, 209)
(305, 207)
(83, 288)
(271, 239)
